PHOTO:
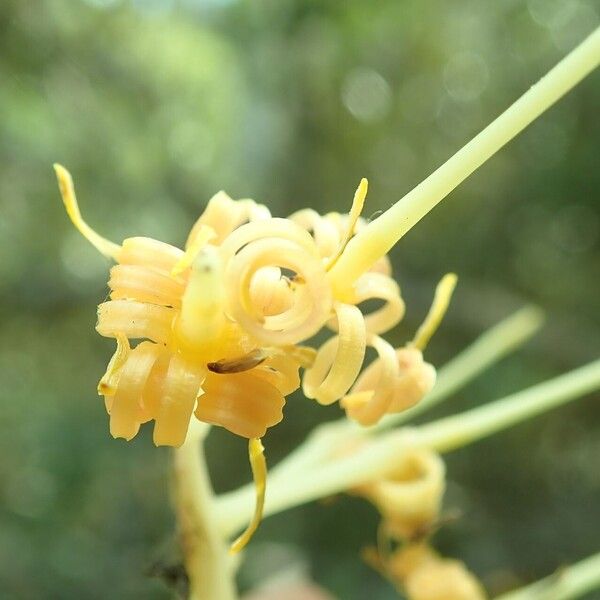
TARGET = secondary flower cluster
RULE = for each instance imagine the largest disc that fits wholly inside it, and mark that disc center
(221, 325)
(409, 500)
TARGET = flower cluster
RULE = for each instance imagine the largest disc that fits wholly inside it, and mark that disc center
(409, 500)
(221, 323)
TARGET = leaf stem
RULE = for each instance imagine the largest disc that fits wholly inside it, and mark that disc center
(487, 349)
(379, 236)
(378, 456)
(465, 428)
(567, 583)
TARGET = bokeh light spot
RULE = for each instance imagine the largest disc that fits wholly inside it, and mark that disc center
(366, 94)
(466, 76)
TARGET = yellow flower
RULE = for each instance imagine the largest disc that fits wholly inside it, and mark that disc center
(220, 323)
(424, 575)
(215, 331)
(410, 497)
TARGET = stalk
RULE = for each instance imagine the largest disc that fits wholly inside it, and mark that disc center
(463, 429)
(487, 349)
(377, 238)
(567, 583)
(207, 562)
(377, 457)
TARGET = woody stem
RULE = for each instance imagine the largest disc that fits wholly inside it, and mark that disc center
(207, 562)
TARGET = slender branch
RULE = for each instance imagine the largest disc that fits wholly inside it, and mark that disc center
(465, 428)
(567, 583)
(377, 238)
(207, 562)
(489, 348)
(378, 456)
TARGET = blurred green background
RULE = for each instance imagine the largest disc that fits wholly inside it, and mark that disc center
(154, 105)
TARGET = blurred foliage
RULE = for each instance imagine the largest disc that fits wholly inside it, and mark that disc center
(156, 104)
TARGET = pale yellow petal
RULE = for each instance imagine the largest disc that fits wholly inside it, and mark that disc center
(67, 191)
(256, 452)
(126, 410)
(441, 301)
(108, 384)
(143, 284)
(242, 403)
(137, 320)
(339, 360)
(178, 398)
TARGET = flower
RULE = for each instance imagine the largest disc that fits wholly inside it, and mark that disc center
(423, 574)
(220, 324)
(219, 327)
(409, 499)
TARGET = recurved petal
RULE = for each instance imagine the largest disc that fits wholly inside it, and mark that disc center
(281, 371)
(416, 379)
(149, 252)
(126, 411)
(140, 283)
(241, 402)
(180, 390)
(137, 320)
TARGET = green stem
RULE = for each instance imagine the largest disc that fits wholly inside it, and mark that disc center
(207, 562)
(377, 238)
(377, 457)
(567, 583)
(489, 348)
(462, 429)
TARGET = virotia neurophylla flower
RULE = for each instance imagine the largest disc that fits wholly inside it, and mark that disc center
(217, 331)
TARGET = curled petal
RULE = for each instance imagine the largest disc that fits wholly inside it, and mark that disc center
(409, 499)
(416, 379)
(326, 232)
(338, 360)
(254, 211)
(376, 286)
(271, 293)
(108, 384)
(137, 320)
(269, 229)
(373, 392)
(150, 253)
(179, 392)
(256, 453)
(126, 412)
(276, 243)
(242, 403)
(223, 215)
(281, 371)
(135, 282)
